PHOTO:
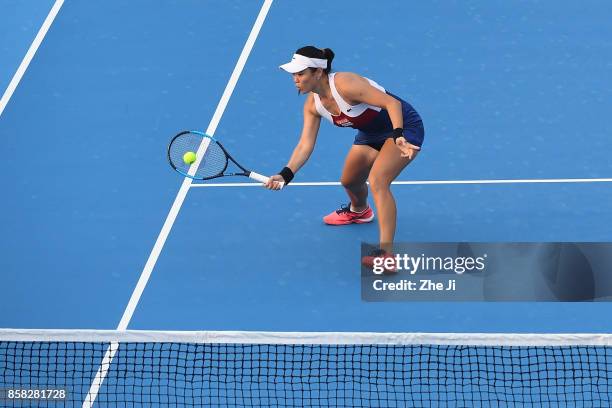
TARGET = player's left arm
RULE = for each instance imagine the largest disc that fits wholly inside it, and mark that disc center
(357, 89)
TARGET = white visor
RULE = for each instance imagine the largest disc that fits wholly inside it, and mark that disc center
(299, 63)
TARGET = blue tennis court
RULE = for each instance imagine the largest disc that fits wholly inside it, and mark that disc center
(514, 91)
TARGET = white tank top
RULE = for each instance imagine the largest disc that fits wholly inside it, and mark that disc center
(355, 116)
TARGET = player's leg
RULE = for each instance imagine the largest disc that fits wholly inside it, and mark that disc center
(357, 165)
(387, 166)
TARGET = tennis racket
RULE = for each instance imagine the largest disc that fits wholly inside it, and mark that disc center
(211, 158)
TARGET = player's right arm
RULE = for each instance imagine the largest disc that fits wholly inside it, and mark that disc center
(304, 148)
(306, 144)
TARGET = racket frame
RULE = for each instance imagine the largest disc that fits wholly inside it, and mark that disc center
(247, 173)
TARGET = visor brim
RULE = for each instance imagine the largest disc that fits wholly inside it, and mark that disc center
(293, 67)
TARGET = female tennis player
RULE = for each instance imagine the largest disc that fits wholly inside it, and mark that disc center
(390, 134)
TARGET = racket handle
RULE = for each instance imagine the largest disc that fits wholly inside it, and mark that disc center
(262, 178)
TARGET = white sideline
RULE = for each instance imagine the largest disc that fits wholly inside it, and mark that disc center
(420, 182)
(42, 32)
(176, 206)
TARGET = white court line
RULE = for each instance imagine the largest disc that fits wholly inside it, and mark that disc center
(421, 182)
(42, 32)
(174, 210)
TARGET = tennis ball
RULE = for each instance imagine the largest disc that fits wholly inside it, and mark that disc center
(189, 157)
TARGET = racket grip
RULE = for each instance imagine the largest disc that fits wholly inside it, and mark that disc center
(262, 178)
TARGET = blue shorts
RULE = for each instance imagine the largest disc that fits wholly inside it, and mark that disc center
(413, 135)
(381, 128)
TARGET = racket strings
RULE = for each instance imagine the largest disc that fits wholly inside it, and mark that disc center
(212, 164)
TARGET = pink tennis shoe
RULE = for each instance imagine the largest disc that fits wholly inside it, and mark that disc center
(345, 216)
(387, 267)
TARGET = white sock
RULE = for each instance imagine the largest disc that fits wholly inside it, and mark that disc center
(358, 212)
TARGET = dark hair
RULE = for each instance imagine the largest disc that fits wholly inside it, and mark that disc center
(314, 52)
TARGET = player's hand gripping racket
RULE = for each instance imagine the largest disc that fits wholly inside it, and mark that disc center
(201, 157)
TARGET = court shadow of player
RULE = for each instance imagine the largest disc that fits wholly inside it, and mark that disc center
(535, 272)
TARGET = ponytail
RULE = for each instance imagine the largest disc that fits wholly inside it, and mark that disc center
(329, 55)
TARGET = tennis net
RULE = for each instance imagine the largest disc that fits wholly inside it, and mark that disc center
(245, 369)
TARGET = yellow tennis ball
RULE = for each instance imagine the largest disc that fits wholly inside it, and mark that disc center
(189, 157)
